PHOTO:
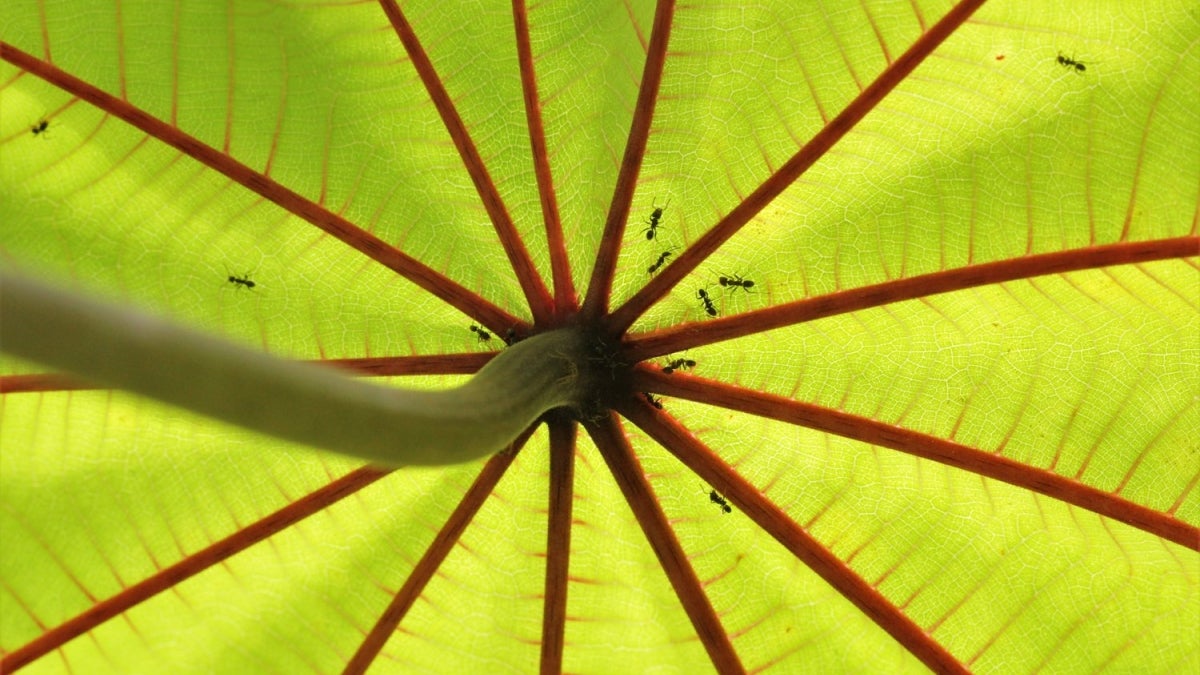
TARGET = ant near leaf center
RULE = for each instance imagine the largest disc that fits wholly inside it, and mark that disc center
(242, 281)
(653, 400)
(709, 307)
(653, 220)
(1070, 62)
(679, 364)
(716, 498)
(662, 259)
(736, 281)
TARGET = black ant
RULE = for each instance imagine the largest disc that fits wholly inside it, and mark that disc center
(659, 263)
(484, 336)
(241, 281)
(1070, 62)
(678, 364)
(736, 281)
(655, 216)
(708, 303)
(657, 403)
(719, 500)
(40, 127)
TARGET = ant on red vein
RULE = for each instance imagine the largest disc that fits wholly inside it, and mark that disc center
(662, 259)
(678, 364)
(653, 400)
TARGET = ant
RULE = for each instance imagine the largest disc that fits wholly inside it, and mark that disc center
(659, 263)
(40, 127)
(656, 402)
(1070, 62)
(736, 281)
(241, 281)
(708, 303)
(655, 216)
(678, 364)
(719, 500)
(484, 336)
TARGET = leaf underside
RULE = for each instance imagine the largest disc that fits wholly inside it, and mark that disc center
(954, 418)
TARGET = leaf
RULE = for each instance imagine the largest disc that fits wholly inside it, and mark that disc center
(951, 417)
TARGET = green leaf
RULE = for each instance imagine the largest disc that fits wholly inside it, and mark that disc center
(954, 417)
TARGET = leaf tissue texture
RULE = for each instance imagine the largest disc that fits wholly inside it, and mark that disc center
(926, 274)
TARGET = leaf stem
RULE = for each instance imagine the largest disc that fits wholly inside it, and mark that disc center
(122, 347)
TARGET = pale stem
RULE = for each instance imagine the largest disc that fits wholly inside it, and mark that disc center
(118, 346)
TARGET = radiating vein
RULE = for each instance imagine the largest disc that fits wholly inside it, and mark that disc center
(618, 454)
(922, 445)
(436, 283)
(560, 264)
(191, 566)
(772, 187)
(373, 366)
(535, 291)
(441, 546)
(558, 543)
(749, 500)
(687, 335)
(600, 286)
